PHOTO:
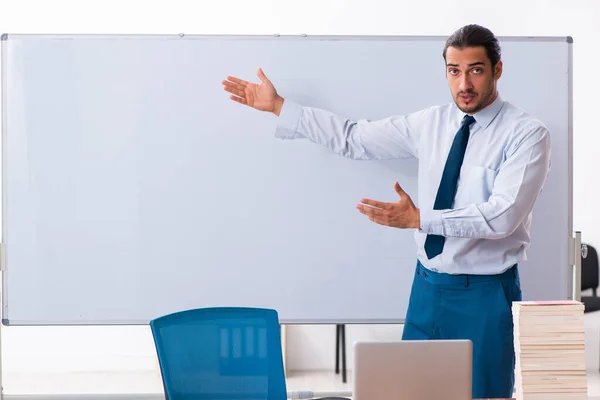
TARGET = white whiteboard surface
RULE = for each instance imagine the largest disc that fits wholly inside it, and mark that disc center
(133, 187)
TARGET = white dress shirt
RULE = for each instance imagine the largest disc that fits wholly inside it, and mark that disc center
(506, 164)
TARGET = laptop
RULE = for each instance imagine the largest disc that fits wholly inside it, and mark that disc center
(413, 370)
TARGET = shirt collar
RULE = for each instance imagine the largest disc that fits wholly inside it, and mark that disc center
(485, 117)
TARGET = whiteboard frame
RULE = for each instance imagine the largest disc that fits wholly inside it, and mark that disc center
(570, 267)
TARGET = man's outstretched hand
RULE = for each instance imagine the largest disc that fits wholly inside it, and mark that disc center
(262, 97)
(401, 214)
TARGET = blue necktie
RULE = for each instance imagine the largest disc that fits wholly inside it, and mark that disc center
(445, 195)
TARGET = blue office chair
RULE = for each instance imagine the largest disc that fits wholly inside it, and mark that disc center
(220, 353)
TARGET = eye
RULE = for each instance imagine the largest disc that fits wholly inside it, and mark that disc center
(477, 70)
(453, 71)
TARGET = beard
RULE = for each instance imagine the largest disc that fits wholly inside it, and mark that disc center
(473, 107)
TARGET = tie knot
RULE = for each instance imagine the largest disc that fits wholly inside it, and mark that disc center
(467, 120)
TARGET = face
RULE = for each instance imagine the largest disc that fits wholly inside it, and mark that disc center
(470, 77)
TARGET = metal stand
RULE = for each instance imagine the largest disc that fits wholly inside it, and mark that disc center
(1, 305)
(340, 346)
(577, 251)
(1, 382)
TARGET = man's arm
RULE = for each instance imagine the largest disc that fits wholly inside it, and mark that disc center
(516, 189)
(392, 137)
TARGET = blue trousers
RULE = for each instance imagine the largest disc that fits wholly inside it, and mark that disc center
(474, 307)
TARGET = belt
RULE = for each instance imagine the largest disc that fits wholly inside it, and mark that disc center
(440, 278)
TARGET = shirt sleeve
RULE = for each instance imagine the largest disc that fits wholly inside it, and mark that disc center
(393, 137)
(516, 189)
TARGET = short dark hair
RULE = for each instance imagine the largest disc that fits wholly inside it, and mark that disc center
(473, 36)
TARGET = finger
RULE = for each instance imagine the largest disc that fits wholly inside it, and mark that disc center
(239, 93)
(261, 75)
(378, 204)
(238, 80)
(371, 211)
(239, 100)
(233, 85)
(399, 189)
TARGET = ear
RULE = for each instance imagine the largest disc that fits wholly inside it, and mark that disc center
(498, 70)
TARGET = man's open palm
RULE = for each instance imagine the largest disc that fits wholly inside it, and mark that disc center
(400, 214)
(261, 96)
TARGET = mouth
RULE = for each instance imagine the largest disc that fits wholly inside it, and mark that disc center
(467, 98)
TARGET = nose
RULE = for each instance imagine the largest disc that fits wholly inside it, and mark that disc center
(465, 83)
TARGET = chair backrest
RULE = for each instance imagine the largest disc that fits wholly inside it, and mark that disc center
(589, 269)
(220, 353)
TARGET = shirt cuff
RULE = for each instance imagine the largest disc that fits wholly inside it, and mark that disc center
(431, 222)
(289, 117)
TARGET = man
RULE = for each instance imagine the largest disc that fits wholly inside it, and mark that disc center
(471, 232)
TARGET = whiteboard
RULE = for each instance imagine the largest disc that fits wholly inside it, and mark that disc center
(134, 187)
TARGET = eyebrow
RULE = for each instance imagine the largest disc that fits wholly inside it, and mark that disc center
(470, 65)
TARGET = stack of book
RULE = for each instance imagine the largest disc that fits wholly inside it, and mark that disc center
(550, 350)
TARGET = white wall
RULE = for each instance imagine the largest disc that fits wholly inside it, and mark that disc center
(310, 347)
